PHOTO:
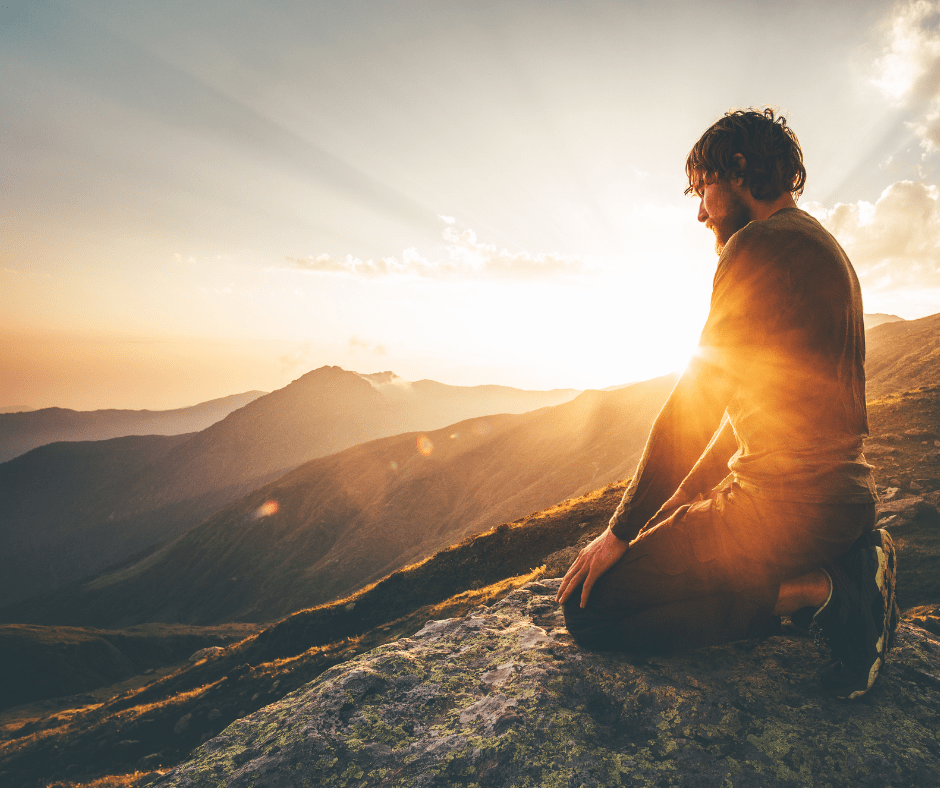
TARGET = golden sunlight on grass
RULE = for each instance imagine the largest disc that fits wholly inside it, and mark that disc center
(110, 781)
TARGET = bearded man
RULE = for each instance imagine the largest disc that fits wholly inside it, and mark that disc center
(775, 394)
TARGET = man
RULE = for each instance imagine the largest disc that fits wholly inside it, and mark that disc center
(775, 393)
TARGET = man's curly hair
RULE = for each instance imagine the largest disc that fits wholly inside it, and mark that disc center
(772, 155)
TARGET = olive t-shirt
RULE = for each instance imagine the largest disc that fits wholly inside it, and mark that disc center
(777, 383)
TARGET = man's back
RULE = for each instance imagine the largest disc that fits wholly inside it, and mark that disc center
(786, 334)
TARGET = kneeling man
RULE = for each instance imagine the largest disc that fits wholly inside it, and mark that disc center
(775, 394)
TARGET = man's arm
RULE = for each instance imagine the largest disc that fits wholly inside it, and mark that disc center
(679, 436)
(712, 466)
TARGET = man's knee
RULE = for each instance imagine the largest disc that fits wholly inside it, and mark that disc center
(590, 628)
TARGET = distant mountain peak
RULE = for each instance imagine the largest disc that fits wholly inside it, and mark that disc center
(382, 380)
(877, 318)
(326, 369)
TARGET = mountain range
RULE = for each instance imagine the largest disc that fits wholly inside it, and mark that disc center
(71, 509)
(24, 430)
(339, 522)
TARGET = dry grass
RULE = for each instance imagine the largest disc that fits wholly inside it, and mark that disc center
(109, 781)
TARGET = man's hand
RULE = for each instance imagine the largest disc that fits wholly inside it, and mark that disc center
(595, 559)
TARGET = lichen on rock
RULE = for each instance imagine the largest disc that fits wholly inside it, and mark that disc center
(503, 697)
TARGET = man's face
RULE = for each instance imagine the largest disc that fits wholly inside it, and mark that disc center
(722, 207)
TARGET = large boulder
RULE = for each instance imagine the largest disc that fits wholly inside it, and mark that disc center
(503, 697)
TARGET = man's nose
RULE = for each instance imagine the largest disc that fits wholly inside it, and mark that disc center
(702, 214)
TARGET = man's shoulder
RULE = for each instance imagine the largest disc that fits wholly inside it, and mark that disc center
(789, 233)
(789, 225)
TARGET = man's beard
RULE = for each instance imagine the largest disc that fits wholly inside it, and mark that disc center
(735, 218)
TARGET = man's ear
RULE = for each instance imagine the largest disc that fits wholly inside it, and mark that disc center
(739, 165)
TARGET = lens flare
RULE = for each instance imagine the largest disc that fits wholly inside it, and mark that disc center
(266, 509)
(425, 446)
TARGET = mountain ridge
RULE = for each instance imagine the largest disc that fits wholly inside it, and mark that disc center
(347, 519)
(21, 431)
(324, 411)
(903, 355)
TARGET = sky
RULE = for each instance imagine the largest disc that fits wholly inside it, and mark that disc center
(202, 198)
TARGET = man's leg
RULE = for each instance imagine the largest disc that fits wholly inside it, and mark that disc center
(809, 590)
(713, 571)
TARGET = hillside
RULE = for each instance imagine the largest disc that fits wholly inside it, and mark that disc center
(877, 318)
(46, 491)
(156, 726)
(345, 520)
(40, 663)
(902, 356)
(56, 533)
(24, 430)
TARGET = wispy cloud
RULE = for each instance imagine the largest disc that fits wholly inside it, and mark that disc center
(909, 69)
(363, 346)
(893, 243)
(464, 256)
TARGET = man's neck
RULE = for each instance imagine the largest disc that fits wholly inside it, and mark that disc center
(764, 209)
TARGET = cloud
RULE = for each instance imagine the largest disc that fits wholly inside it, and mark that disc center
(895, 243)
(373, 348)
(464, 256)
(909, 69)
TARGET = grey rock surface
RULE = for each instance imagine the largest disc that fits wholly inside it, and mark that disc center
(503, 697)
(897, 510)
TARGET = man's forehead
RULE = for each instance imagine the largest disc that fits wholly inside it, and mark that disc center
(699, 179)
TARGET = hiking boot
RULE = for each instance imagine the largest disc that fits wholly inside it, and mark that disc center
(886, 543)
(859, 620)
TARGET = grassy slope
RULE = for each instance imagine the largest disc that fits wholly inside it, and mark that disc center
(51, 662)
(903, 356)
(904, 449)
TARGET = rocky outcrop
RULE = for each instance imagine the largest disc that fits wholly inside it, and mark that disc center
(503, 697)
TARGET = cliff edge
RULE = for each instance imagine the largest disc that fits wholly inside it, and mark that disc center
(503, 697)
